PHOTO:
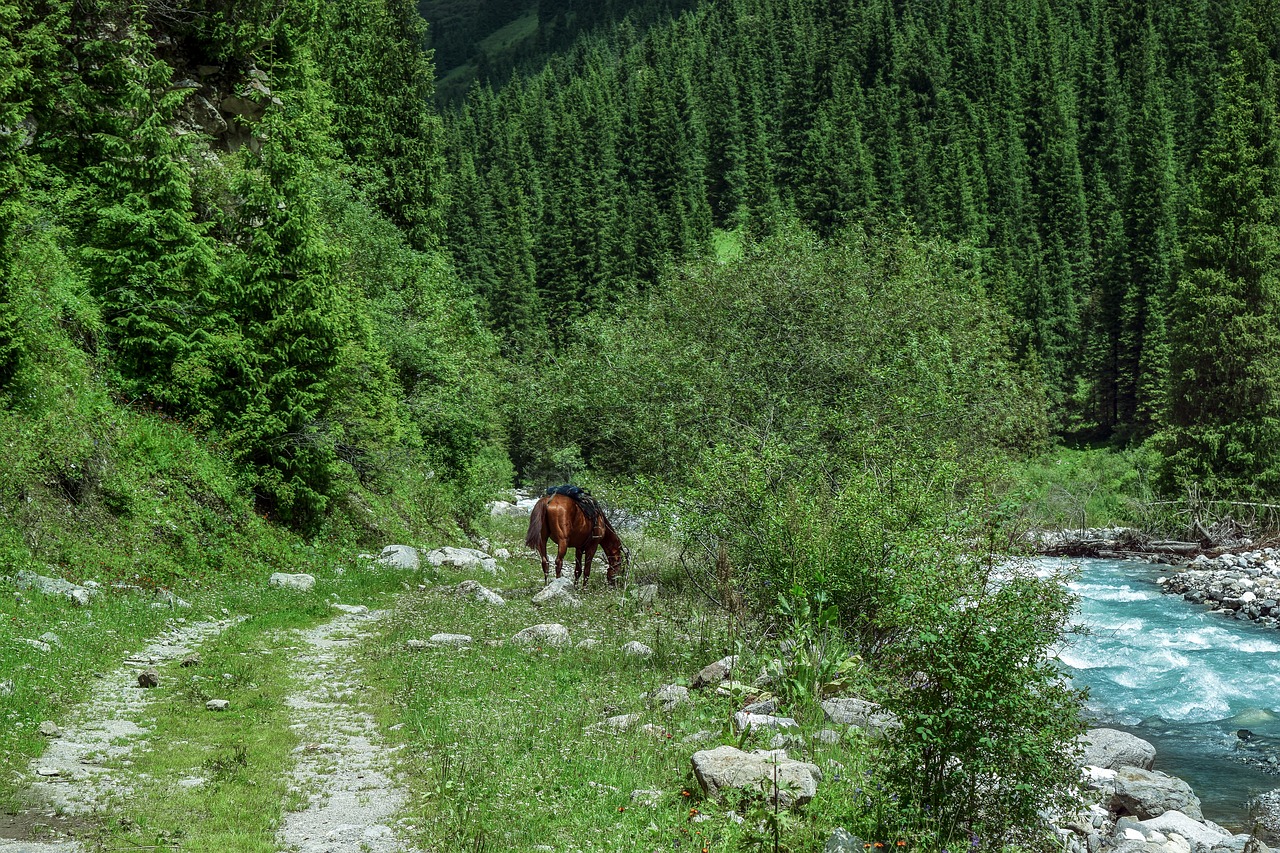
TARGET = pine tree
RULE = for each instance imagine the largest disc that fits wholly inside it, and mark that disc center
(1223, 419)
(1151, 248)
(283, 292)
(148, 262)
(15, 76)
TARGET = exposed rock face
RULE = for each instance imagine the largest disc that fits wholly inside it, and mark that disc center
(549, 634)
(400, 557)
(790, 783)
(1113, 749)
(1149, 793)
(217, 705)
(301, 582)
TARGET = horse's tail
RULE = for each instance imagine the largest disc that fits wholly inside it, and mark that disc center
(537, 535)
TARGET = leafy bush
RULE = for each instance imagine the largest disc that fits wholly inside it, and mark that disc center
(1068, 488)
(845, 352)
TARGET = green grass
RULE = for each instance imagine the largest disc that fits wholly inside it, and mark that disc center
(502, 754)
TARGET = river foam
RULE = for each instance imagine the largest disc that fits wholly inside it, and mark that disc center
(1178, 676)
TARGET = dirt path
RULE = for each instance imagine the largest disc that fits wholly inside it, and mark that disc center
(69, 781)
(342, 777)
(343, 766)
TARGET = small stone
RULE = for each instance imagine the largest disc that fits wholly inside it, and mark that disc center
(38, 645)
(48, 771)
(749, 722)
(50, 729)
(716, 672)
(669, 696)
(416, 645)
(558, 591)
(190, 660)
(765, 706)
(300, 582)
(148, 678)
(51, 638)
(842, 841)
(217, 704)
(646, 797)
(637, 650)
(477, 591)
(550, 633)
(451, 639)
(352, 609)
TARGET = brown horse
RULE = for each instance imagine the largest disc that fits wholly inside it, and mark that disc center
(559, 518)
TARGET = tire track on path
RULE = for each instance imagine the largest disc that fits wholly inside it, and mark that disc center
(70, 780)
(344, 769)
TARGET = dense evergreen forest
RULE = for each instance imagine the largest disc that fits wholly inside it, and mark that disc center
(794, 279)
(1113, 165)
(228, 214)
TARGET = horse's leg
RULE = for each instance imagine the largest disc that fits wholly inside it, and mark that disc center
(561, 548)
(577, 564)
(546, 566)
(586, 569)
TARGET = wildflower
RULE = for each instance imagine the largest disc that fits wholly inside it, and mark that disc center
(901, 843)
(622, 808)
(693, 812)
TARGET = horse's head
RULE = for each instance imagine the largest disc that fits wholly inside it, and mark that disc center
(616, 556)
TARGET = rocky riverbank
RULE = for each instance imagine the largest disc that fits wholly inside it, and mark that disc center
(1135, 809)
(1244, 585)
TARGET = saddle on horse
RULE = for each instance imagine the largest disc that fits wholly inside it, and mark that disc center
(586, 502)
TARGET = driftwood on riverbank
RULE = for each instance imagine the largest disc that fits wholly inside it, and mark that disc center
(1126, 543)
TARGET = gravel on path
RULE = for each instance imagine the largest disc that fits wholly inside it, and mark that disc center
(344, 768)
(69, 779)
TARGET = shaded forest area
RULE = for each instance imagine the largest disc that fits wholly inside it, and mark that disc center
(488, 40)
(1113, 163)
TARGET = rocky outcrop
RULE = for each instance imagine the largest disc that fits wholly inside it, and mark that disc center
(1113, 749)
(781, 779)
(1244, 586)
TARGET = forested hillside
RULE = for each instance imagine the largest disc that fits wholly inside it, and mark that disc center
(225, 219)
(484, 40)
(1113, 164)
